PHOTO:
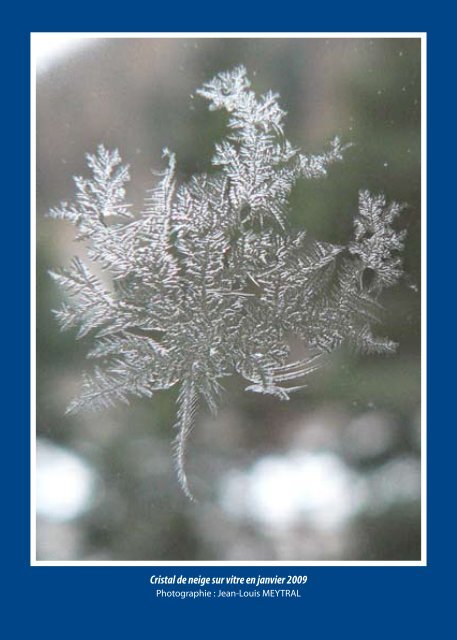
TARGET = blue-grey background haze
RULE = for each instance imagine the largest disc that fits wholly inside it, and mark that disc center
(335, 473)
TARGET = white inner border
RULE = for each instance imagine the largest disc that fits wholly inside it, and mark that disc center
(34, 42)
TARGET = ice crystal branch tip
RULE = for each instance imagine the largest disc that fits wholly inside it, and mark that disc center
(207, 281)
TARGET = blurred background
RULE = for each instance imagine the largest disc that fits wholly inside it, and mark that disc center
(334, 474)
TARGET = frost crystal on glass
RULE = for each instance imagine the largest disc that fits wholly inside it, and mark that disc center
(207, 280)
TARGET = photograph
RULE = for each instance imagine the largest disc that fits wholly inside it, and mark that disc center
(228, 261)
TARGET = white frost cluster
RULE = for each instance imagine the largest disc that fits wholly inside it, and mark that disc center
(208, 281)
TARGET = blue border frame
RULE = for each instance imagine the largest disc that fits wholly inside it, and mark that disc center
(118, 601)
